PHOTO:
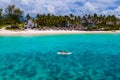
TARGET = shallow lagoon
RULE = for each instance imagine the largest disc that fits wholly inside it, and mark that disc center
(95, 57)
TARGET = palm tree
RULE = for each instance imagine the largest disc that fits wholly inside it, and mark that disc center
(0, 12)
(0, 16)
(71, 15)
(9, 10)
(37, 16)
(95, 16)
(28, 17)
(13, 14)
(18, 12)
(89, 16)
(37, 19)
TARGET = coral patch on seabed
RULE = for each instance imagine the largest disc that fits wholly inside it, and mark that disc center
(56, 67)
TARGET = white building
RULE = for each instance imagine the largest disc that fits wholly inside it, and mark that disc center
(29, 24)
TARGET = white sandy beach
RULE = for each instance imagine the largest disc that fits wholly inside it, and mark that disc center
(50, 32)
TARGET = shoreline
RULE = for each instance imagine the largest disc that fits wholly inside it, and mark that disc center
(51, 32)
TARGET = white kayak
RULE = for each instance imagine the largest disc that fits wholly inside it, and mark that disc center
(64, 53)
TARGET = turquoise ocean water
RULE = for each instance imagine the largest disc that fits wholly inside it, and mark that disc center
(94, 57)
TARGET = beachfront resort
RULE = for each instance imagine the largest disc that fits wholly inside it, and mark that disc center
(13, 19)
(59, 40)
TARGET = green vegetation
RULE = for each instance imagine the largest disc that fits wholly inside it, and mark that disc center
(86, 22)
(11, 17)
(1, 17)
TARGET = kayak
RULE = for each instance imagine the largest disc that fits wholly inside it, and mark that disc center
(64, 53)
